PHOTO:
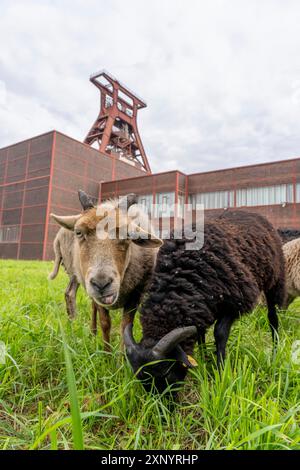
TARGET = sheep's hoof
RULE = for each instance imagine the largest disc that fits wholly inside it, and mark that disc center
(107, 347)
(72, 315)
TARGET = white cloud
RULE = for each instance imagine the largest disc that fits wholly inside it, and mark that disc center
(221, 78)
(2, 93)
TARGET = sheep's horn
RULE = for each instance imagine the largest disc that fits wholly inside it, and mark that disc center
(172, 339)
(66, 221)
(85, 200)
(128, 337)
(129, 200)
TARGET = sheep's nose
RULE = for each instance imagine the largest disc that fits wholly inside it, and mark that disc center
(101, 283)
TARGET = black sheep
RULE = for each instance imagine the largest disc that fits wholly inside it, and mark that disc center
(288, 234)
(191, 290)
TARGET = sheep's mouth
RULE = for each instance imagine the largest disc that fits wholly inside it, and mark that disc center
(107, 300)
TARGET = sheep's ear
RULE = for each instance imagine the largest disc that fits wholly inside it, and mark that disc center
(144, 239)
(185, 359)
(66, 221)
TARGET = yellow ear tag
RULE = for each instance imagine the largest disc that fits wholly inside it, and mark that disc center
(192, 361)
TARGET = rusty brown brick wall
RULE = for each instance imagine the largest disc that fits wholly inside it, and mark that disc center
(150, 184)
(28, 169)
(24, 185)
(243, 177)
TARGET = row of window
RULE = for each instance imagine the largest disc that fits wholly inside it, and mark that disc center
(213, 200)
(259, 196)
(163, 202)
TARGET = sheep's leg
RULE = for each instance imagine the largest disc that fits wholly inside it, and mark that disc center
(275, 296)
(128, 317)
(105, 323)
(290, 298)
(70, 297)
(94, 318)
(201, 342)
(273, 321)
(221, 333)
(201, 337)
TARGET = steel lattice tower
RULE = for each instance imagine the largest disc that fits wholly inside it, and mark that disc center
(115, 130)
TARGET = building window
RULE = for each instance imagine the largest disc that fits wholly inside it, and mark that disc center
(264, 196)
(298, 192)
(164, 201)
(9, 233)
(180, 209)
(146, 201)
(213, 200)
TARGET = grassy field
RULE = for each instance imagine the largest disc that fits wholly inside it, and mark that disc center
(55, 368)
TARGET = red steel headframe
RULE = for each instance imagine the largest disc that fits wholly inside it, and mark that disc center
(115, 129)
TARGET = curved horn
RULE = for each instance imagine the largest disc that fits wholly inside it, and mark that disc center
(85, 200)
(128, 337)
(66, 221)
(170, 340)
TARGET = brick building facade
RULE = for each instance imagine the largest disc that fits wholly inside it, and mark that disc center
(42, 175)
(272, 189)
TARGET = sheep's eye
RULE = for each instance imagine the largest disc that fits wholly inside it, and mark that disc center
(78, 233)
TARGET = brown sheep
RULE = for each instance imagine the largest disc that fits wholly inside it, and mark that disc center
(114, 272)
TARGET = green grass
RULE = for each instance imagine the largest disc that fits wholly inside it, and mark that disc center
(60, 390)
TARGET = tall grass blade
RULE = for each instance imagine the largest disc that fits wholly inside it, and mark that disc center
(74, 405)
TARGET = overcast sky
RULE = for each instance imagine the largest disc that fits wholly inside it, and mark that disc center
(221, 77)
